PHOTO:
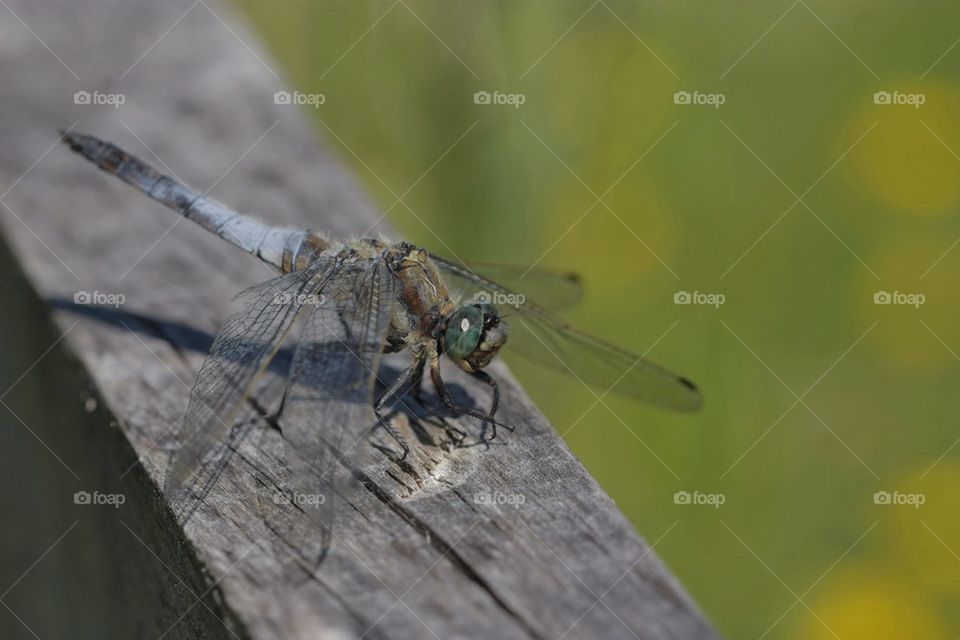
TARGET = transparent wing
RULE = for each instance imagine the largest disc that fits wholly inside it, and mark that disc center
(244, 348)
(548, 340)
(549, 289)
(328, 408)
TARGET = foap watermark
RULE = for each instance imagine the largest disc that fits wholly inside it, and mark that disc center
(699, 498)
(99, 298)
(500, 498)
(299, 98)
(514, 300)
(897, 498)
(699, 297)
(96, 498)
(300, 499)
(898, 98)
(98, 98)
(899, 298)
(300, 299)
(699, 98)
(496, 97)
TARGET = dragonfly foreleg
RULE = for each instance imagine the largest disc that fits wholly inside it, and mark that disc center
(400, 384)
(489, 380)
(416, 388)
(452, 405)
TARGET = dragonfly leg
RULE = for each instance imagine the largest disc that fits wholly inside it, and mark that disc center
(416, 390)
(278, 414)
(452, 405)
(489, 380)
(400, 384)
(416, 383)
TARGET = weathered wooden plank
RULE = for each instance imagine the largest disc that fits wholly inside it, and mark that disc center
(418, 552)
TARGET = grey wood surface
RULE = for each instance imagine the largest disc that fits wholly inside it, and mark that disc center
(421, 552)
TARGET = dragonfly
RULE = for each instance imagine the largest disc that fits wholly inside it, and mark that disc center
(345, 305)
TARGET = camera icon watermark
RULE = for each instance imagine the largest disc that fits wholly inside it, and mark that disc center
(899, 298)
(698, 98)
(114, 100)
(714, 300)
(99, 298)
(514, 500)
(300, 99)
(299, 499)
(515, 300)
(715, 500)
(85, 498)
(496, 97)
(300, 299)
(914, 500)
(897, 98)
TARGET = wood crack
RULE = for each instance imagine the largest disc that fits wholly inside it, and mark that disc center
(434, 538)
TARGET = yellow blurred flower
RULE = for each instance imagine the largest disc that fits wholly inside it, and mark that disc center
(909, 160)
(926, 540)
(861, 604)
(612, 248)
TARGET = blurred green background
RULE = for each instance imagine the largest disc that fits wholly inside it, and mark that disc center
(700, 198)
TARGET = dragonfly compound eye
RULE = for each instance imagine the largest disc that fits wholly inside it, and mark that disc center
(463, 331)
(474, 335)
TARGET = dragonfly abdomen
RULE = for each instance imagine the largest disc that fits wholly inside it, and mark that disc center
(287, 249)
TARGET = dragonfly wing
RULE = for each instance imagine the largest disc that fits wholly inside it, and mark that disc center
(549, 341)
(328, 408)
(246, 344)
(547, 288)
(541, 336)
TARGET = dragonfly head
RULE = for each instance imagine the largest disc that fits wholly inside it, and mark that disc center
(473, 335)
